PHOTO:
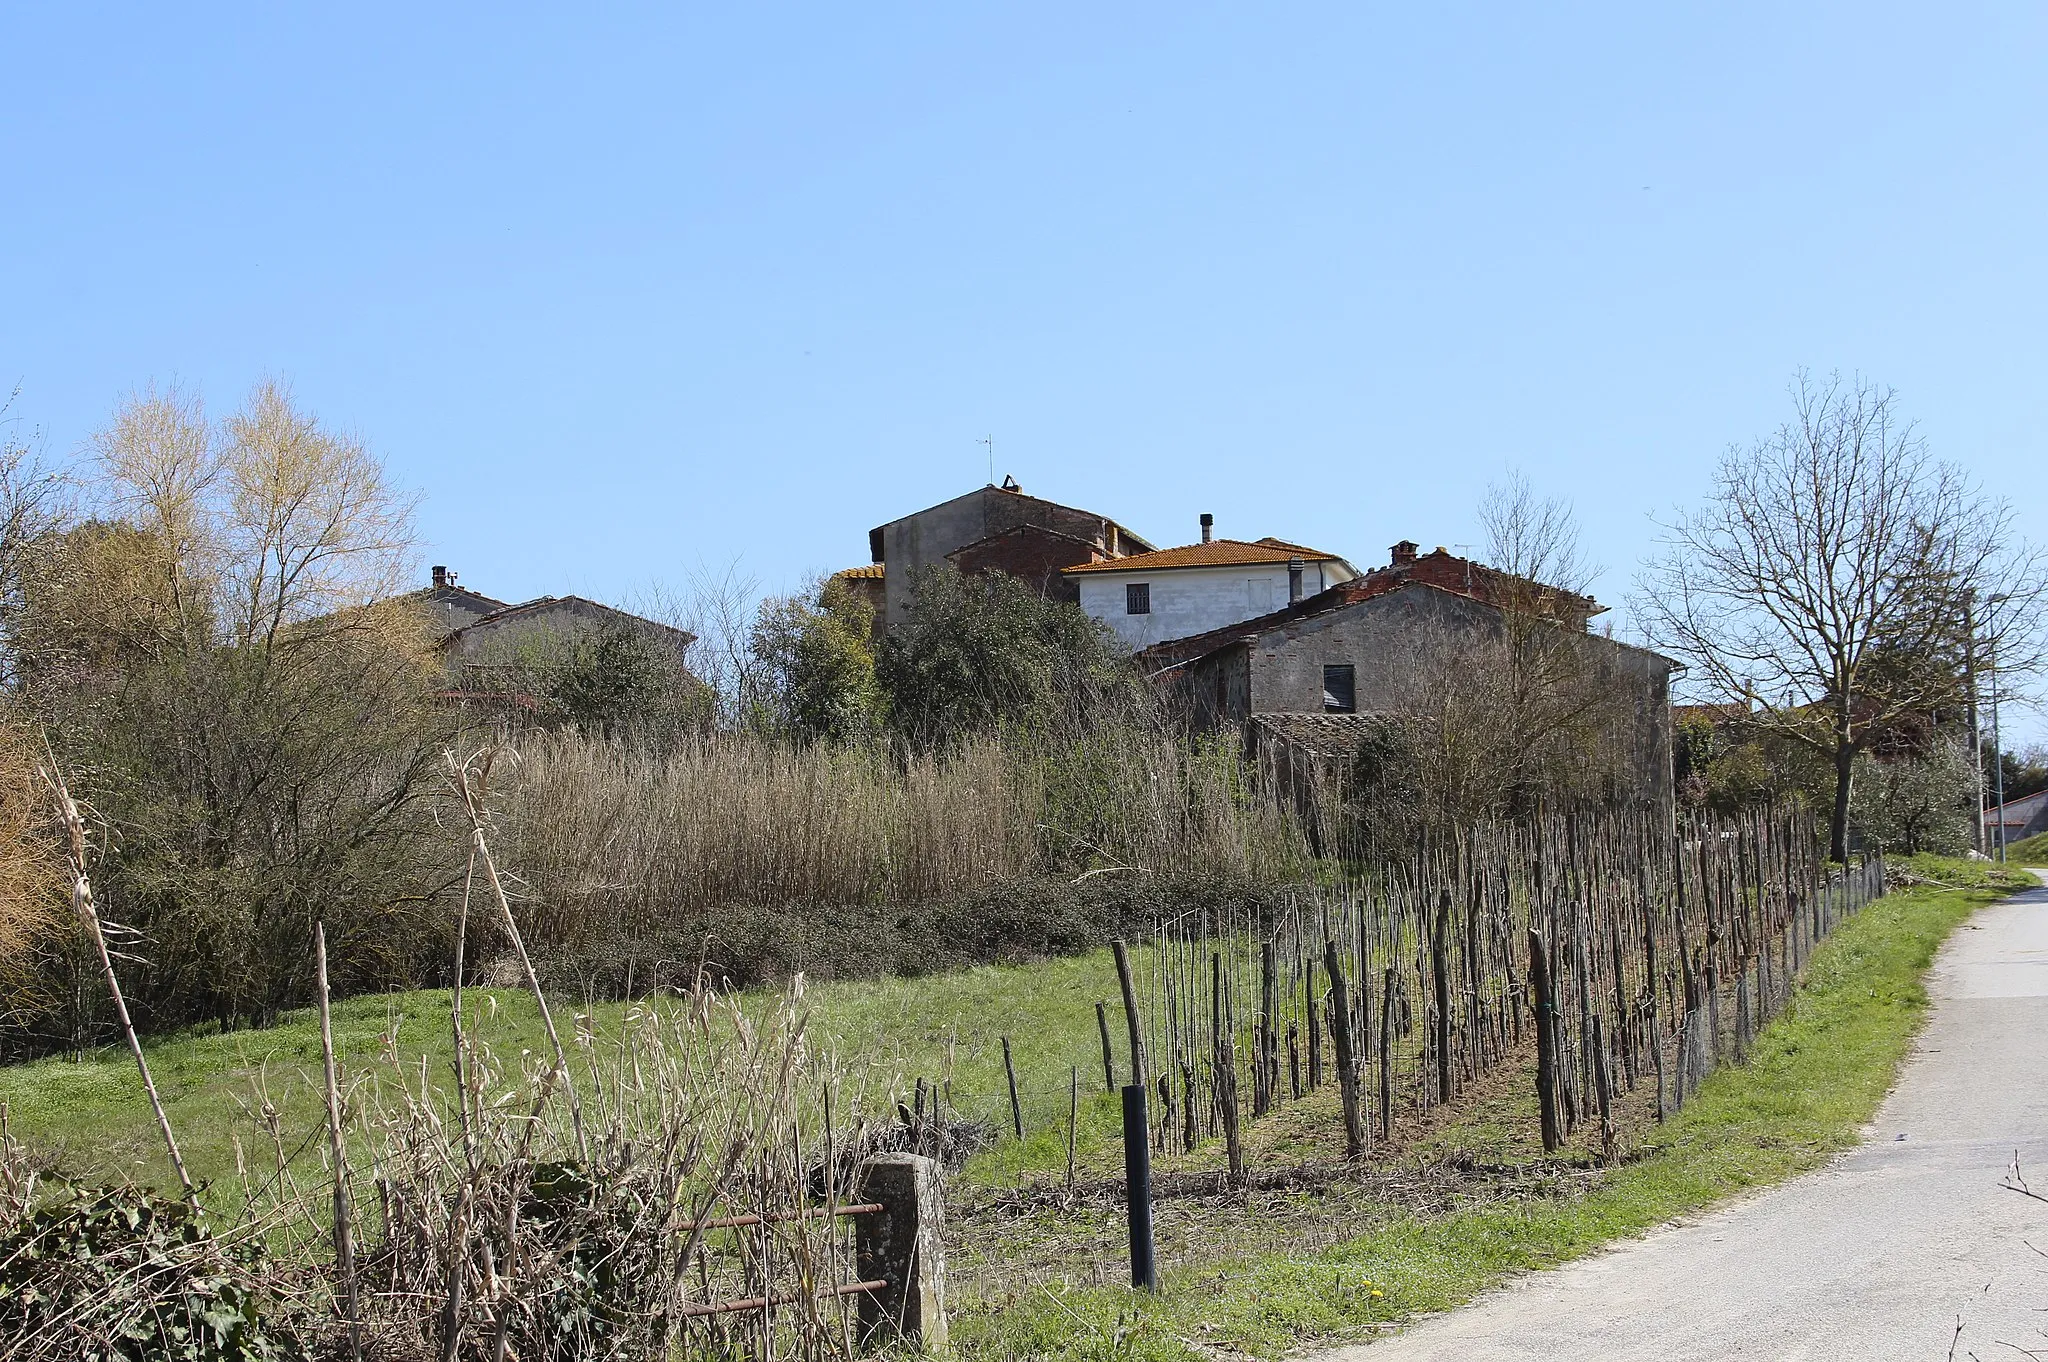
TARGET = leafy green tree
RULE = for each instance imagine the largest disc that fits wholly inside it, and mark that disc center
(986, 652)
(815, 665)
(1915, 804)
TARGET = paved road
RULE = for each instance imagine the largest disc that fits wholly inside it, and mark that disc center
(1875, 1256)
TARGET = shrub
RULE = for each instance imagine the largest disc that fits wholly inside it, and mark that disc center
(120, 1274)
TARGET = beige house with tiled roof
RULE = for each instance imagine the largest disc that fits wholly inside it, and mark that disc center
(1150, 598)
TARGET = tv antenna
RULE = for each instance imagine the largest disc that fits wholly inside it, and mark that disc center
(990, 442)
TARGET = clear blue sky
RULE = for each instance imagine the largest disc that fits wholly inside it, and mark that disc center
(622, 293)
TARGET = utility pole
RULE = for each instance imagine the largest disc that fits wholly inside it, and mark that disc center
(1997, 735)
(1983, 842)
(1998, 764)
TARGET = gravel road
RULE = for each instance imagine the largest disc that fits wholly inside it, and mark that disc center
(1879, 1255)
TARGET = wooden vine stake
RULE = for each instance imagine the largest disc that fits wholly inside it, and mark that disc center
(1130, 992)
(1010, 1072)
(344, 1245)
(1546, 1039)
(1347, 1057)
(82, 902)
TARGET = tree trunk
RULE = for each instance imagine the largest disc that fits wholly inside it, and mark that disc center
(1838, 823)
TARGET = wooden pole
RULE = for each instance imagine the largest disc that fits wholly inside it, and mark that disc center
(1347, 1060)
(1130, 992)
(1262, 1082)
(1010, 1072)
(1315, 1030)
(1601, 1086)
(1108, 1055)
(1546, 1039)
(1387, 1055)
(1440, 974)
(1223, 1061)
(344, 1246)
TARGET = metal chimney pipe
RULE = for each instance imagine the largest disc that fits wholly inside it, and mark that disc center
(1294, 570)
(1208, 527)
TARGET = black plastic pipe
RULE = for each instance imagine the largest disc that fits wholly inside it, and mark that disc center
(1138, 1186)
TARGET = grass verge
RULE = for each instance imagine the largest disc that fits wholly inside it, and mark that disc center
(1815, 1077)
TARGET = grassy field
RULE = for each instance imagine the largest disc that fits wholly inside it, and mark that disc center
(1462, 1199)
(88, 1116)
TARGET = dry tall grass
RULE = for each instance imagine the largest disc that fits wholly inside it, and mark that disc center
(609, 838)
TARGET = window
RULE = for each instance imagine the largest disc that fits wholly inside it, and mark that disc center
(1138, 598)
(1340, 695)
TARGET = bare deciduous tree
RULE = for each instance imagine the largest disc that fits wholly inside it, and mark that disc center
(1832, 581)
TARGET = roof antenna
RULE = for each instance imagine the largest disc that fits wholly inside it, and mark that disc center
(990, 441)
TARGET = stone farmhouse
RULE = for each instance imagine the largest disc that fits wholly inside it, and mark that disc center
(479, 636)
(991, 529)
(1305, 679)
(1294, 646)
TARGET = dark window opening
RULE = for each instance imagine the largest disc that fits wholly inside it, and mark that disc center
(1138, 598)
(1340, 695)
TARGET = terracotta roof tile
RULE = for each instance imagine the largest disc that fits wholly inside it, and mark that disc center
(865, 572)
(1216, 553)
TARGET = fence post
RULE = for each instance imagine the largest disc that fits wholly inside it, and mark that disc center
(1138, 1186)
(1546, 1038)
(1386, 1053)
(1347, 1059)
(1108, 1056)
(1131, 1020)
(902, 1246)
(1010, 1072)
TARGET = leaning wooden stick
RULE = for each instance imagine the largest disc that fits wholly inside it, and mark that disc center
(81, 900)
(344, 1244)
(458, 775)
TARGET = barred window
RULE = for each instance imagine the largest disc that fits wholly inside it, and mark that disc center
(1138, 598)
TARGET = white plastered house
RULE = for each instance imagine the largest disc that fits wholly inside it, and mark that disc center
(1149, 598)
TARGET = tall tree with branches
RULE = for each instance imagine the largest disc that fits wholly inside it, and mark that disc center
(1837, 577)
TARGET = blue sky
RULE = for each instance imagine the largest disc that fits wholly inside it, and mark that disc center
(626, 292)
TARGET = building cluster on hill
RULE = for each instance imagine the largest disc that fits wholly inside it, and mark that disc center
(1296, 647)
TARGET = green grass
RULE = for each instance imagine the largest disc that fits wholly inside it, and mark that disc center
(90, 1116)
(1816, 1076)
(2029, 851)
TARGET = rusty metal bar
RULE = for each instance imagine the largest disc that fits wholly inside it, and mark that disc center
(764, 1302)
(733, 1222)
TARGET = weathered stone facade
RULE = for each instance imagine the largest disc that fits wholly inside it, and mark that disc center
(993, 529)
(1276, 666)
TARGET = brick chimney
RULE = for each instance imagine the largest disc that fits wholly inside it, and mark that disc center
(1404, 553)
(441, 577)
(1208, 527)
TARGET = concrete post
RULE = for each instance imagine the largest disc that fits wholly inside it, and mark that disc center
(902, 1245)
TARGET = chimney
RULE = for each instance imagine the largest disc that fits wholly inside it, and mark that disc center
(1208, 527)
(440, 576)
(1404, 553)
(1294, 570)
